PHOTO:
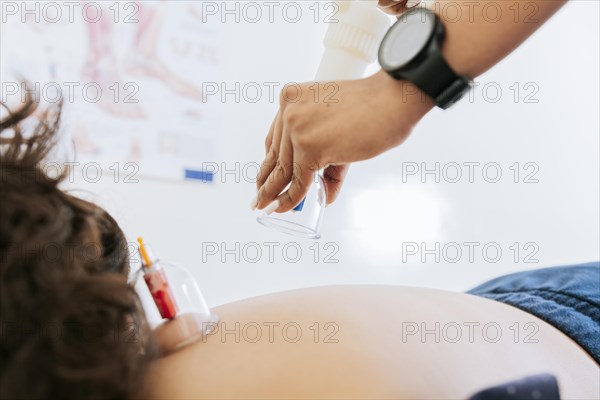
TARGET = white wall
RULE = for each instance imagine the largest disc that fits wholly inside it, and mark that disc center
(376, 211)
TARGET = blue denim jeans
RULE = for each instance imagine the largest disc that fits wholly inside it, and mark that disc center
(566, 297)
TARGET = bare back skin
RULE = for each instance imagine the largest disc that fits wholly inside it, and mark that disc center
(358, 342)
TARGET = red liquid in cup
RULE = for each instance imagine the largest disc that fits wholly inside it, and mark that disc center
(161, 293)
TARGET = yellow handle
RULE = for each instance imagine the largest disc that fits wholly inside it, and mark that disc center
(144, 253)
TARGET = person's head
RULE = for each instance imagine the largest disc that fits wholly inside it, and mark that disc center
(70, 326)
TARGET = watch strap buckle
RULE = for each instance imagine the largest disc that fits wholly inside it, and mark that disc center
(454, 92)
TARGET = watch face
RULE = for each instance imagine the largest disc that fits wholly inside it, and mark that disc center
(406, 38)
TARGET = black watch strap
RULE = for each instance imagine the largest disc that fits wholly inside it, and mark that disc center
(437, 79)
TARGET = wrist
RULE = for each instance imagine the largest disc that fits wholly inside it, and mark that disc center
(403, 96)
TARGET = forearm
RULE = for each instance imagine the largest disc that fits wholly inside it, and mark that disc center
(478, 35)
(481, 33)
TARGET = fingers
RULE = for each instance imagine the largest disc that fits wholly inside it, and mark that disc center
(269, 138)
(272, 144)
(302, 178)
(279, 177)
(397, 7)
(334, 176)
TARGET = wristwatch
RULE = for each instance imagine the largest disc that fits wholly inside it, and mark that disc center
(411, 50)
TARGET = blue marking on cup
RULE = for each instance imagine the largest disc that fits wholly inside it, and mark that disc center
(204, 176)
(299, 206)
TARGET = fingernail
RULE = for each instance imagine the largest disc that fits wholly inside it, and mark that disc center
(254, 203)
(272, 207)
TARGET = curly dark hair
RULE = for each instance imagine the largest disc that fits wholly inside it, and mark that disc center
(70, 325)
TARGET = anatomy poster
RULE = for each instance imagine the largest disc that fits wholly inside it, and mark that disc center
(130, 75)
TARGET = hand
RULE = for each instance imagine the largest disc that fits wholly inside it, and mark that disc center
(397, 7)
(361, 120)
